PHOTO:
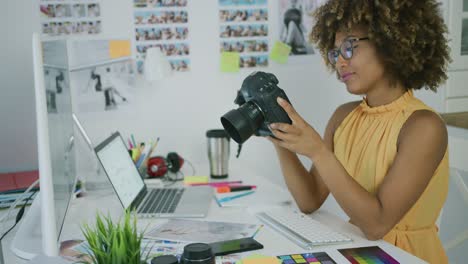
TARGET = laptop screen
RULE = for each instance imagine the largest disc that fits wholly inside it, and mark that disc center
(120, 169)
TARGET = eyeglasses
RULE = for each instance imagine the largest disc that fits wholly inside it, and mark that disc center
(345, 50)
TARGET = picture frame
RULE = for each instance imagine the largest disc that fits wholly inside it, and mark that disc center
(458, 34)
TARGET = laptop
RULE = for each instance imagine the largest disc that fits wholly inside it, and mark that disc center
(148, 202)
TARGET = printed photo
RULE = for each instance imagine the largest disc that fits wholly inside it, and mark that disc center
(79, 10)
(58, 28)
(253, 61)
(47, 11)
(91, 27)
(103, 88)
(62, 10)
(86, 27)
(238, 31)
(64, 28)
(57, 87)
(245, 46)
(180, 65)
(47, 29)
(147, 34)
(178, 49)
(94, 10)
(250, 15)
(167, 3)
(241, 2)
(464, 39)
(160, 17)
(139, 3)
(295, 23)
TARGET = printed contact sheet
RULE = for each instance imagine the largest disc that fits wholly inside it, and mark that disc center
(162, 24)
(62, 18)
(244, 29)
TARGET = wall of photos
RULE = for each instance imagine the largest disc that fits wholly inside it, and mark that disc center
(61, 18)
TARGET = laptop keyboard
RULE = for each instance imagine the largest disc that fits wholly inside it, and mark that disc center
(161, 201)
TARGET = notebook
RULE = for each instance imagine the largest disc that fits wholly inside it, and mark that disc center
(148, 202)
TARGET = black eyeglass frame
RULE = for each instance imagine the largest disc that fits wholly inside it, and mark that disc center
(335, 53)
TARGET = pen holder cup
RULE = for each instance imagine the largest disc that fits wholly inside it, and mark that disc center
(218, 153)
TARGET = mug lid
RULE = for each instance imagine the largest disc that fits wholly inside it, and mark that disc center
(217, 133)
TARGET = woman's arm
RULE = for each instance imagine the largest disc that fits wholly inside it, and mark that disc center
(307, 188)
(421, 146)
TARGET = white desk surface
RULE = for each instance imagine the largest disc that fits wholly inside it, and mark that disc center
(83, 210)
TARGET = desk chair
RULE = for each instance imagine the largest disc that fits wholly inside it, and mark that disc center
(454, 227)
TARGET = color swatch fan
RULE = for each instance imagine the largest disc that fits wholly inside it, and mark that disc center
(307, 258)
(367, 255)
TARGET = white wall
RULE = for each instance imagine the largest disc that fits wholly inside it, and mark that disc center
(18, 141)
(179, 109)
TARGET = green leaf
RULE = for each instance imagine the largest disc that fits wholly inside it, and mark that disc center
(114, 243)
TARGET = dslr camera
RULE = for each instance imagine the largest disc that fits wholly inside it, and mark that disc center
(257, 108)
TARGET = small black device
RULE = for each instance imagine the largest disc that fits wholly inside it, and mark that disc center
(257, 108)
(234, 246)
(195, 253)
(165, 259)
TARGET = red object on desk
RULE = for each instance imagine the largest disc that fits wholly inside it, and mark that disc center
(17, 180)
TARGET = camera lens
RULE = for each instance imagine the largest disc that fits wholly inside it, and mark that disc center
(166, 259)
(198, 253)
(242, 123)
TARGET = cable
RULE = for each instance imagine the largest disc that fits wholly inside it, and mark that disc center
(167, 178)
(15, 203)
(191, 165)
(19, 215)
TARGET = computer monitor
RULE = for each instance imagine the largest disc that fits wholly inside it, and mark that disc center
(55, 152)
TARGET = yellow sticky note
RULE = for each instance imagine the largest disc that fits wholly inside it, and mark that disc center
(195, 179)
(280, 52)
(230, 61)
(259, 259)
(119, 48)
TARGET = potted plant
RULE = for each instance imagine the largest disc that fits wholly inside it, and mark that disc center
(114, 243)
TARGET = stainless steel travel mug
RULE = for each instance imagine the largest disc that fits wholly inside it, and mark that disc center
(218, 153)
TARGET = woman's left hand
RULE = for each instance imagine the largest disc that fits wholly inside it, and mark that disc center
(298, 137)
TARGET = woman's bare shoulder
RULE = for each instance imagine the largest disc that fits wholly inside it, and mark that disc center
(342, 112)
(337, 118)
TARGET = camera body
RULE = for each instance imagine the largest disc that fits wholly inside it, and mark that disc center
(262, 89)
(258, 107)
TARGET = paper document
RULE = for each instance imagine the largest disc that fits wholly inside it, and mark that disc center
(260, 197)
(201, 231)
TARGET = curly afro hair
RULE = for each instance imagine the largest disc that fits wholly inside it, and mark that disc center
(409, 36)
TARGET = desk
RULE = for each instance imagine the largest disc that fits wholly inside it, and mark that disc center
(83, 209)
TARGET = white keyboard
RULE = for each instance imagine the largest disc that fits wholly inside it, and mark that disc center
(301, 229)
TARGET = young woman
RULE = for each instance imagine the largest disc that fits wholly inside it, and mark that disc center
(384, 158)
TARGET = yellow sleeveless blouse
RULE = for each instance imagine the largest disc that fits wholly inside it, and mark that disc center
(366, 144)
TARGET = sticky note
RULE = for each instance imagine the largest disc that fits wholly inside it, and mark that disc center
(280, 52)
(195, 179)
(259, 259)
(230, 61)
(119, 48)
